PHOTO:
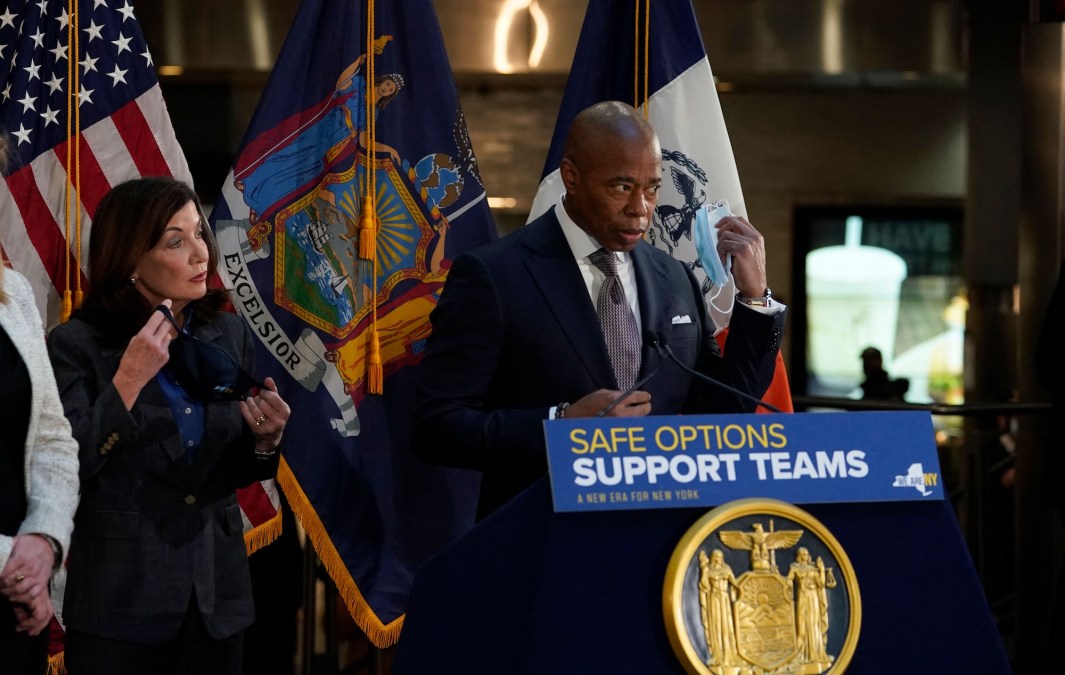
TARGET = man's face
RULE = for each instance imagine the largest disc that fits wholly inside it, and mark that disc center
(611, 192)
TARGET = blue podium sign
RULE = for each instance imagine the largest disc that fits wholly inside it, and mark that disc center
(681, 461)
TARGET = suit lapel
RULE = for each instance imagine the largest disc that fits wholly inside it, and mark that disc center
(555, 273)
(652, 286)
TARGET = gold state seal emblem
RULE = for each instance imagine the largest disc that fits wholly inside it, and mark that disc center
(760, 587)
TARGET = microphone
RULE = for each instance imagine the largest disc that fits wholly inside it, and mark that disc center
(651, 341)
(660, 342)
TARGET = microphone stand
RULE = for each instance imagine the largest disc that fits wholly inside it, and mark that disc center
(661, 342)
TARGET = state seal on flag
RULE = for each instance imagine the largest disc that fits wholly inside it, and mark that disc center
(761, 586)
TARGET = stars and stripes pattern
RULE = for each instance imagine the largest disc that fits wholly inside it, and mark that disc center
(109, 86)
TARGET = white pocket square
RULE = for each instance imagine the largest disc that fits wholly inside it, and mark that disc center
(681, 319)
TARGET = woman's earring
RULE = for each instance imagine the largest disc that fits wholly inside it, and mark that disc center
(133, 281)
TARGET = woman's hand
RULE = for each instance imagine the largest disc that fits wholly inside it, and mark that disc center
(28, 569)
(34, 617)
(266, 415)
(147, 353)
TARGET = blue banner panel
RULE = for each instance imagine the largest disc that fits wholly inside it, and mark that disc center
(681, 461)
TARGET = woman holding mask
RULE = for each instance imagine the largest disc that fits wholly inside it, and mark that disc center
(149, 372)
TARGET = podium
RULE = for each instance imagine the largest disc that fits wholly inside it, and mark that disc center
(529, 590)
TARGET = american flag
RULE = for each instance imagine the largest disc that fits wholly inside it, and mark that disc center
(125, 129)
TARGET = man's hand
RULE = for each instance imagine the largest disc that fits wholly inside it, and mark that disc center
(636, 404)
(736, 236)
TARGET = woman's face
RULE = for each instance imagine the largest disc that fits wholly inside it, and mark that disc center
(176, 267)
(386, 88)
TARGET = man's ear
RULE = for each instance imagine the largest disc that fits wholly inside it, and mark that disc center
(568, 170)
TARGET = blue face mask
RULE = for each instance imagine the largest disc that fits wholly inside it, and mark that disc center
(706, 242)
(205, 370)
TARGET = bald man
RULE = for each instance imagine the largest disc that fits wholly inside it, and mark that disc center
(517, 339)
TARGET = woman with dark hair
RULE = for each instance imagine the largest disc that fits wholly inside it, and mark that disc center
(154, 379)
(38, 478)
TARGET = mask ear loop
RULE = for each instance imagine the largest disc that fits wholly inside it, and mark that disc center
(718, 290)
(170, 317)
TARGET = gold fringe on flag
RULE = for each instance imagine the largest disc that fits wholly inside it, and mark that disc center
(263, 534)
(57, 664)
(380, 634)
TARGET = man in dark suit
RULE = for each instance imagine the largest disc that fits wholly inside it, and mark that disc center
(516, 336)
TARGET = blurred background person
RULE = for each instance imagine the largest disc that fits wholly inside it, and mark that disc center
(151, 373)
(38, 477)
(878, 384)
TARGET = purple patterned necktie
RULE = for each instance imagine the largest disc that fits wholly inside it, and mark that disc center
(619, 325)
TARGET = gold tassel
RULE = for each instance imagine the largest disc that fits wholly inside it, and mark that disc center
(64, 313)
(78, 296)
(367, 234)
(376, 370)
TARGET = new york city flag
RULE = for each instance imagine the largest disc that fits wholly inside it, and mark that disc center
(354, 188)
(651, 56)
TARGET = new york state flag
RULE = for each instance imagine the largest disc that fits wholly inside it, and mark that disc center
(355, 186)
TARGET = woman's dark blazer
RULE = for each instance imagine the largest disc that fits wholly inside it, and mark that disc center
(154, 533)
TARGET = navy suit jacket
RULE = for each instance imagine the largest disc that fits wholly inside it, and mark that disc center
(153, 532)
(515, 333)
